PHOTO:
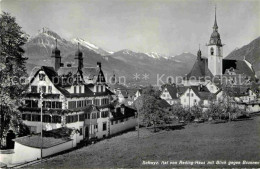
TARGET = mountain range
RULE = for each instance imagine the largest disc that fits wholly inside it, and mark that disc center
(250, 52)
(124, 63)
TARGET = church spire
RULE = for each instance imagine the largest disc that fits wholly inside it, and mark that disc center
(215, 36)
(199, 54)
(215, 27)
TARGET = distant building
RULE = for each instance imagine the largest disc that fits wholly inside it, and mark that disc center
(124, 94)
(196, 96)
(214, 73)
(214, 68)
(170, 94)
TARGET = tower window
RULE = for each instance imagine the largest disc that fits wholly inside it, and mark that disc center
(212, 51)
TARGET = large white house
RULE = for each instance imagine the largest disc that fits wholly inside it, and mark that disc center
(74, 97)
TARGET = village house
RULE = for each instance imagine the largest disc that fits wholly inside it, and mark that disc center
(196, 96)
(170, 94)
(124, 94)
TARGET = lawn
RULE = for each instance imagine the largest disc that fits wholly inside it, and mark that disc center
(225, 142)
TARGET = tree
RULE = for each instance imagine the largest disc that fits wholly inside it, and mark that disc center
(178, 111)
(196, 111)
(151, 113)
(12, 68)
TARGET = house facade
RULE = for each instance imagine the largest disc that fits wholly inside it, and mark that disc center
(73, 97)
(196, 96)
(170, 94)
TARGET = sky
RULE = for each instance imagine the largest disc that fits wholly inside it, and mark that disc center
(168, 27)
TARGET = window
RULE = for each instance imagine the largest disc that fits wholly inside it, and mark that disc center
(46, 118)
(58, 105)
(28, 117)
(49, 89)
(28, 103)
(105, 126)
(212, 51)
(96, 102)
(104, 101)
(88, 102)
(42, 77)
(81, 117)
(34, 103)
(34, 89)
(94, 115)
(31, 103)
(188, 94)
(79, 103)
(75, 118)
(104, 114)
(191, 94)
(88, 116)
(80, 131)
(195, 101)
(75, 89)
(56, 119)
(98, 115)
(53, 105)
(36, 117)
(23, 116)
(43, 89)
(79, 89)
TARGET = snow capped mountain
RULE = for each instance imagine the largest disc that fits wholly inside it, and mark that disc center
(50, 33)
(124, 62)
(157, 55)
(90, 46)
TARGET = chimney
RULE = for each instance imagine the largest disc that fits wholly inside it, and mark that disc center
(79, 56)
(56, 55)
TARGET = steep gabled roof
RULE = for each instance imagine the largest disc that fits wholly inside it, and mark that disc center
(172, 90)
(199, 69)
(67, 70)
(90, 72)
(181, 89)
(202, 92)
(163, 103)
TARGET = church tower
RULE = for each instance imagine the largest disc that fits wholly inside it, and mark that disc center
(215, 51)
